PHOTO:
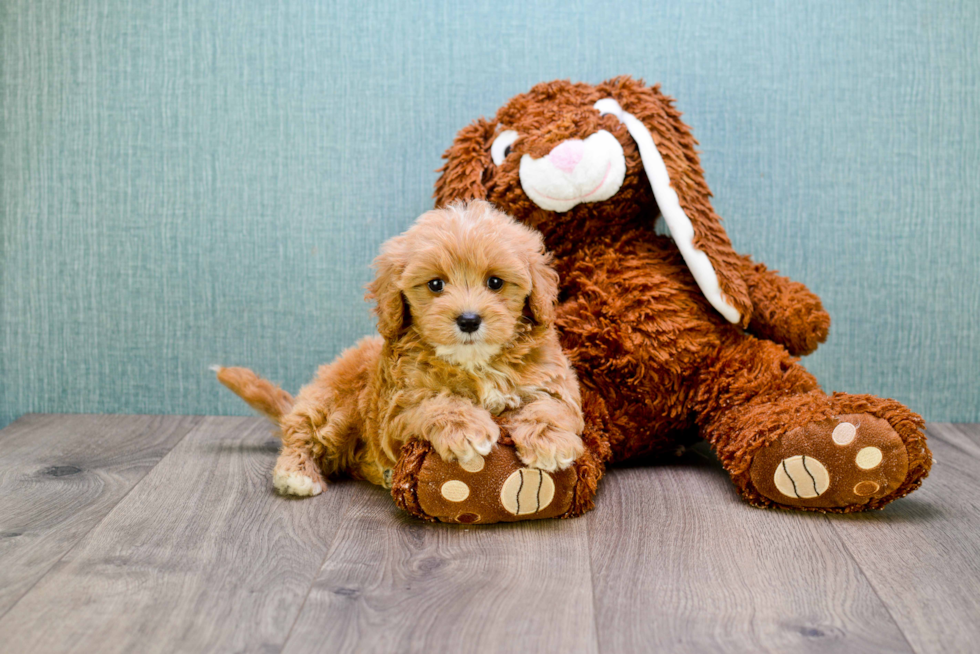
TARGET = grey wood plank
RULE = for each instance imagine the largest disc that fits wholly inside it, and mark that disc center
(681, 564)
(60, 475)
(202, 555)
(394, 584)
(922, 554)
(962, 437)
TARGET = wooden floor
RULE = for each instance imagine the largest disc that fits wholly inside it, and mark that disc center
(163, 534)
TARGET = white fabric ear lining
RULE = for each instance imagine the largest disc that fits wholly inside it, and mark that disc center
(670, 207)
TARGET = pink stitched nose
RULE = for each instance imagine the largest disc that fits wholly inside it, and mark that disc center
(566, 155)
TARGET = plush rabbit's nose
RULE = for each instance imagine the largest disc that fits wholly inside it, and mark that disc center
(566, 155)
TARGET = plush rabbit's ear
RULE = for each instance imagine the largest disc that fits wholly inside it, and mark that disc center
(670, 160)
(467, 161)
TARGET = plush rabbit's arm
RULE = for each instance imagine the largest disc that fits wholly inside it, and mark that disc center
(784, 311)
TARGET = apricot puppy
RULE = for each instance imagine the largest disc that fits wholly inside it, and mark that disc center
(465, 305)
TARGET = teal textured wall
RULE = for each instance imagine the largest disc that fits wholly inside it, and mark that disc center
(193, 182)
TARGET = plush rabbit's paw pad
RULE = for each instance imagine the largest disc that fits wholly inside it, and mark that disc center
(527, 491)
(846, 461)
(295, 483)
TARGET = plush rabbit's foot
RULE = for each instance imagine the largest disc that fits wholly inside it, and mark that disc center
(847, 461)
(497, 487)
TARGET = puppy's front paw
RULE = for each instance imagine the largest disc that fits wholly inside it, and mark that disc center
(545, 447)
(295, 483)
(466, 441)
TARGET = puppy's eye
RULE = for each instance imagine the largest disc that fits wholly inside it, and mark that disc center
(495, 283)
(436, 285)
(502, 146)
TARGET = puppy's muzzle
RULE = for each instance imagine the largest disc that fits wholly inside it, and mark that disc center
(468, 322)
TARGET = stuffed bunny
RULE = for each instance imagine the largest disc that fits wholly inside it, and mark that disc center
(672, 337)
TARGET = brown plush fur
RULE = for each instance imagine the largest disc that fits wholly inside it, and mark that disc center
(656, 361)
(425, 378)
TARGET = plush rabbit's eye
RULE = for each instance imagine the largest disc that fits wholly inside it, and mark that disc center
(436, 285)
(495, 283)
(502, 146)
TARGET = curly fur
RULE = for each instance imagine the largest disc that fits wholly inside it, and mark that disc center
(426, 379)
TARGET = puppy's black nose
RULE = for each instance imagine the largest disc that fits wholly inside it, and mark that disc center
(468, 322)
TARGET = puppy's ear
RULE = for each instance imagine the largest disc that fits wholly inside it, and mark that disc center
(392, 309)
(540, 303)
(467, 161)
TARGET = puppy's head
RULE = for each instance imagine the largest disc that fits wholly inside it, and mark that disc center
(468, 279)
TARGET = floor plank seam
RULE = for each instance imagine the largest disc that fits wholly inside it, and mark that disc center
(196, 423)
(595, 606)
(871, 584)
(348, 507)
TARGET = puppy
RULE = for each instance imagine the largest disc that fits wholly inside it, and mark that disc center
(465, 305)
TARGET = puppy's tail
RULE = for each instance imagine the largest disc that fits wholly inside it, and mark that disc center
(260, 394)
